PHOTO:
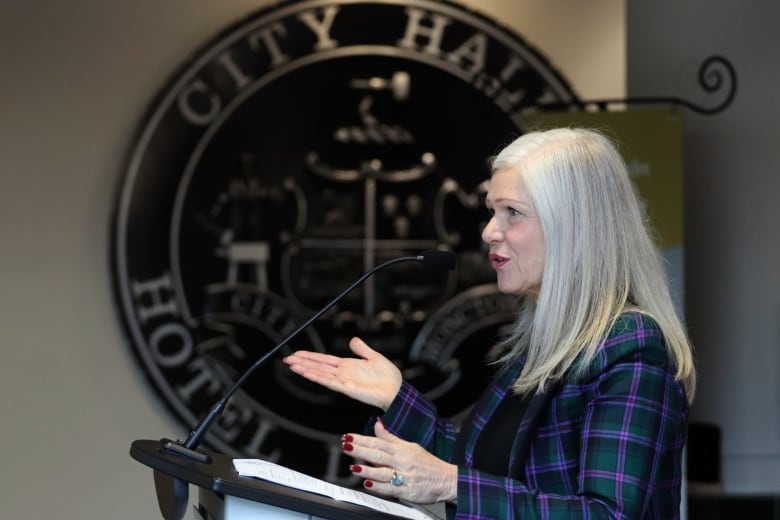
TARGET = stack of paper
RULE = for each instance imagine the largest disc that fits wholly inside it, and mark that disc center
(285, 476)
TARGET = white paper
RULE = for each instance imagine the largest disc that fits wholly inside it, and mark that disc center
(265, 470)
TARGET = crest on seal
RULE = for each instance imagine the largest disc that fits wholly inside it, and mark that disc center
(296, 150)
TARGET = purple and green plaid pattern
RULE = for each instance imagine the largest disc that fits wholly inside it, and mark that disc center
(609, 445)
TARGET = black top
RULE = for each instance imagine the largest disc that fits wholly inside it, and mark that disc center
(494, 444)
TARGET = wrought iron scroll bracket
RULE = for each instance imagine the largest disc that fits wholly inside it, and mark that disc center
(716, 74)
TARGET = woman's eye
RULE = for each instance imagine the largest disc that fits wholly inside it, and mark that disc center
(505, 212)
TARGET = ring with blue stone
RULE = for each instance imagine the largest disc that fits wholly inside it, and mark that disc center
(397, 479)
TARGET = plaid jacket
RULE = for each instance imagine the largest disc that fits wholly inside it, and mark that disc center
(608, 445)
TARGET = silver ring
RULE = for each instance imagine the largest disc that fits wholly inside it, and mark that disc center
(397, 479)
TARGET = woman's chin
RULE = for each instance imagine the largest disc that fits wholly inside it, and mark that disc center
(508, 288)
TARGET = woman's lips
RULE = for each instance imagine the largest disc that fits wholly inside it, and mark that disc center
(497, 261)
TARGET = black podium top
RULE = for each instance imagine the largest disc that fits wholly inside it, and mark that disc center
(219, 476)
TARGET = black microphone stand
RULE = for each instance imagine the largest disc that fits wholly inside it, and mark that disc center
(173, 491)
(187, 447)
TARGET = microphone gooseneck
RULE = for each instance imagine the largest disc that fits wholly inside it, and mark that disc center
(437, 260)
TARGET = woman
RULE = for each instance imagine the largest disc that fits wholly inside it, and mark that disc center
(587, 416)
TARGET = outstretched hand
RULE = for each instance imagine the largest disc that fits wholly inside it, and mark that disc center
(420, 476)
(369, 378)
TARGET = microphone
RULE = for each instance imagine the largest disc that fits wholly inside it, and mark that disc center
(436, 260)
(433, 260)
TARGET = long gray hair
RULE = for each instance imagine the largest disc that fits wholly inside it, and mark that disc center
(600, 259)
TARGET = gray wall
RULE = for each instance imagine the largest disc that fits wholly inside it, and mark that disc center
(732, 184)
(76, 78)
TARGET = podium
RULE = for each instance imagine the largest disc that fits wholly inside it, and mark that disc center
(224, 495)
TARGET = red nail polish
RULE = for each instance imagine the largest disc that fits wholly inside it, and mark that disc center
(368, 484)
(346, 438)
(354, 468)
(347, 447)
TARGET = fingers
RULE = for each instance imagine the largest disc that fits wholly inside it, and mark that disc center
(372, 450)
(303, 360)
(356, 345)
(311, 358)
(381, 432)
(312, 364)
(317, 368)
(380, 480)
(308, 368)
(379, 462)
(394, 467)
(373, 473)
(361, 349)
(300, 364)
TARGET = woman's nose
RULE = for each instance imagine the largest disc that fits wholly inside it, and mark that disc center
(491, 232)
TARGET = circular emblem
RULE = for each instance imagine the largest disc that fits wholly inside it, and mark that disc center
(301, 147)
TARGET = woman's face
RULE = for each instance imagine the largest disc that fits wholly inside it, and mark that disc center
(514, 235)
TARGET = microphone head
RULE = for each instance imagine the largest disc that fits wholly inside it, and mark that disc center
(438, 260)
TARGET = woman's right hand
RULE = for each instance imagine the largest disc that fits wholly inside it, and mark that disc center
(370, 378)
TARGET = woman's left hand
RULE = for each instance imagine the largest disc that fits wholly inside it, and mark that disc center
(426, 479)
